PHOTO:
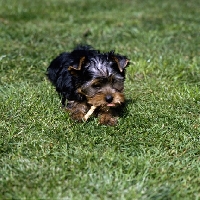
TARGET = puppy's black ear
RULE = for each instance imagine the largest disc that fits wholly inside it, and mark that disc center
(121, 61)
(76, 68)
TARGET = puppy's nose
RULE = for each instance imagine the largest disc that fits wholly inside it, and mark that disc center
(109, 98)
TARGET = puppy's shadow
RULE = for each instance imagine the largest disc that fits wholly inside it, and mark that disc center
(126, 108)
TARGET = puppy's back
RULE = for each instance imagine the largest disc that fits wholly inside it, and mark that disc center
(56, 66)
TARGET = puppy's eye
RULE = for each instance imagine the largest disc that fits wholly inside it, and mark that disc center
(96, 85)
(118, 85)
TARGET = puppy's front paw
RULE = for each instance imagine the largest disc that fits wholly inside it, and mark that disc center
(107, 119)
(77, 116)
(77, 110)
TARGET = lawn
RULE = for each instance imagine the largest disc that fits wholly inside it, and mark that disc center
(154, 151)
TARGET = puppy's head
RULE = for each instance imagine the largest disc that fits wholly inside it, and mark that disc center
(102, 78)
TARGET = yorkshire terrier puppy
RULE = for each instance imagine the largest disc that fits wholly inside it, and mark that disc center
(87, 78)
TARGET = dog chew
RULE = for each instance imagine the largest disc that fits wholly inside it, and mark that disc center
(89, 113)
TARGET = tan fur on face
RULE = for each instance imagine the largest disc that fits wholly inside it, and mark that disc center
(99, 99)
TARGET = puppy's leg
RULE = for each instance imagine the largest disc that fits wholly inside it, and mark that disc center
(63, 100)
(77, 110)
(108, 117)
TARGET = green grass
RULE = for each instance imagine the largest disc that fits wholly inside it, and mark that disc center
(154, 151)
